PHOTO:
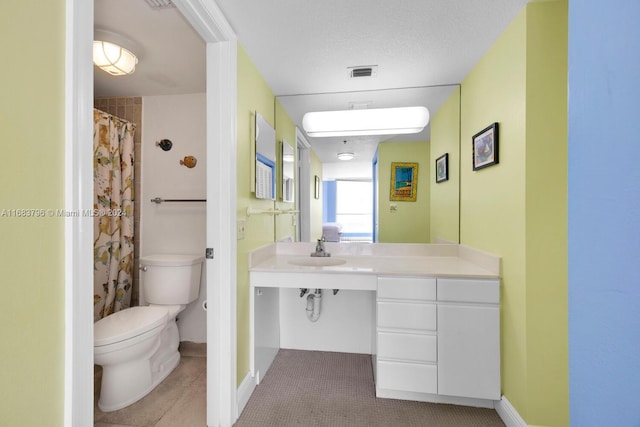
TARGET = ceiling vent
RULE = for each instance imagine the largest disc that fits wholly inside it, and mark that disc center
(159, 4)
(363, 71)
(359, 105)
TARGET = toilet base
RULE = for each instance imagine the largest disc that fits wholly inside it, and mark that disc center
(125, 383)
(110, 403)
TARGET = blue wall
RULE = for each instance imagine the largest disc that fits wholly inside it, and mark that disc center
(604, 213)
(329, 201)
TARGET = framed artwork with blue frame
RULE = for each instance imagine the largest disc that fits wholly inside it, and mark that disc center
(404, 182)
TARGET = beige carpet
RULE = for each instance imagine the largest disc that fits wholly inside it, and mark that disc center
(312, 388)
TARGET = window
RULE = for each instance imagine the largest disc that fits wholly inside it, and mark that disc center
(354, 209)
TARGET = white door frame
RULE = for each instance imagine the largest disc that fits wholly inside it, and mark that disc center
(304, 187)
(210, 23)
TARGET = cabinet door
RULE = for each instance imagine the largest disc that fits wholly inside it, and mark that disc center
(469, 351)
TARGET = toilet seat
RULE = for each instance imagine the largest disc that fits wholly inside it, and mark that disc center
(128, 323)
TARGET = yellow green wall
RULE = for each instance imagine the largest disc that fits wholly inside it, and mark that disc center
(32, 177)
(254, 95)
(492, 208)
(445, 197)
(517, 209)
(546, 210)
(410, 222)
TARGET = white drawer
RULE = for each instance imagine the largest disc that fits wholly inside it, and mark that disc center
(411, 288)
(415, 377)
(469, 290)
(404, 315)
(409, 347)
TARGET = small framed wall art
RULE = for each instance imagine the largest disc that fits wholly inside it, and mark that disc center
(404, 181)
(442, 168)
(485, 147)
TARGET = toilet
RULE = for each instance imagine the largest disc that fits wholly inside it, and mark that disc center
(138, 347)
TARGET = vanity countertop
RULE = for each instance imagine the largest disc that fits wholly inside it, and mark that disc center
(376, 259)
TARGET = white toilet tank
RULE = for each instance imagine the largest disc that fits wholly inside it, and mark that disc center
(171, 278)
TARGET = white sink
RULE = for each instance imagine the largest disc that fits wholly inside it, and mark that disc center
(317, 261)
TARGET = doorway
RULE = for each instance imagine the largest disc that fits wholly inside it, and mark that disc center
(221, 96)
(303, 196)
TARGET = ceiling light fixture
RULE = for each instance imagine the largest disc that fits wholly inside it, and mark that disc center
(114, 59)
(345, 156)
(376, 121)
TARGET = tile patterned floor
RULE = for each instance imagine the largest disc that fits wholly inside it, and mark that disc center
(180, 400)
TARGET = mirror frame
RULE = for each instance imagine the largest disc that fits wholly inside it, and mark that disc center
(288, 179)
(265, 159)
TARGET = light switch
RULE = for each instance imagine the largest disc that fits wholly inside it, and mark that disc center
(241, 224)
(393, 207)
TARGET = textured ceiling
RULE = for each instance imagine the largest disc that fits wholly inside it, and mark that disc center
(305, 46)
(422, 48)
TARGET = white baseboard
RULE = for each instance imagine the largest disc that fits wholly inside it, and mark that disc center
(508, 413)
(245, 389)
(434, 398)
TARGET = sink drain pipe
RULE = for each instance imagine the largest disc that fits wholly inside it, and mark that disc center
(313, 305)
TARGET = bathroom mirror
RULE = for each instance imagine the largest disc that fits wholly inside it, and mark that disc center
(288, 162)
(442, 134)
(265, 159)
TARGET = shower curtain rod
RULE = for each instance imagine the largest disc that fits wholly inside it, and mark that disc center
(159, 200)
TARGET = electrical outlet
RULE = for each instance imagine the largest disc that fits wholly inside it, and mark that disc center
(240, 224)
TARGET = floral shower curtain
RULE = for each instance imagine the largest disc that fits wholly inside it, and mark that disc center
(113, 158)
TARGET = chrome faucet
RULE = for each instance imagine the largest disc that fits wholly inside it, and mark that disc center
(320, 251)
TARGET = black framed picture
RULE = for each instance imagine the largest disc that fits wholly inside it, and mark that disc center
(442, 168)
(485, 147)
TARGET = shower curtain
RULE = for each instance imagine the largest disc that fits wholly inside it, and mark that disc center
(113, 156)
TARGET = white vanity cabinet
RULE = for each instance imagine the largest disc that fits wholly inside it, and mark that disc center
(438, 339)
(406, 336)
(435, 334)
(469, 338)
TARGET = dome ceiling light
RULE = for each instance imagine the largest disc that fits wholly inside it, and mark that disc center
(114, 59)
(346, 155)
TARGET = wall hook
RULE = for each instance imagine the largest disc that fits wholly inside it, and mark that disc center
(189, 161)
(165, 144)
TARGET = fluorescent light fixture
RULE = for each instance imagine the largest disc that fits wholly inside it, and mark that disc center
(376, 121)
(113, 59)
(345, 156)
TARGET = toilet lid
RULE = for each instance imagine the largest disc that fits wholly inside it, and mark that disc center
(127, 323)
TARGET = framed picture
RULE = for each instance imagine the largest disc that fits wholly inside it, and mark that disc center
(442, 168)
(316, 187)
(404, 181)
(485, 147)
